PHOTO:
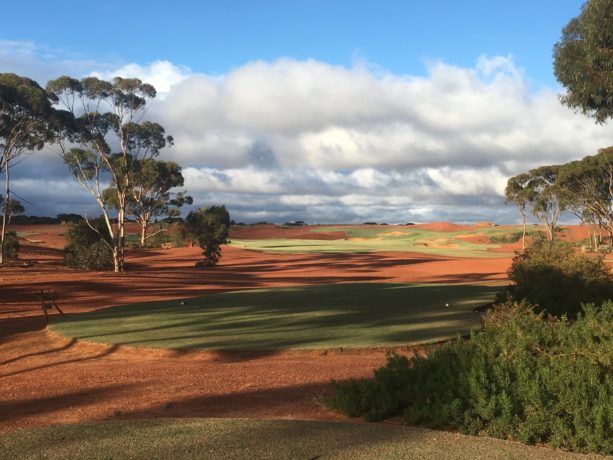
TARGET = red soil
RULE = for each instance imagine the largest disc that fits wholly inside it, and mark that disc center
(45, 379)
(446, 227)
(266, 232)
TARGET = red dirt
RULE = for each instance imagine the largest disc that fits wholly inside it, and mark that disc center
(266, 232)
(446, 227)
(47, 380)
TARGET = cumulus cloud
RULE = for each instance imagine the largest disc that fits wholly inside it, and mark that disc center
(308, 140)
(161, 74)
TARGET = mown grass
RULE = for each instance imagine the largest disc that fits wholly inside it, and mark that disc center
(302, 317)
(261, 439)
(389, 238)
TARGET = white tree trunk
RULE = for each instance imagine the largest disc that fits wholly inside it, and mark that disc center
(5, 210)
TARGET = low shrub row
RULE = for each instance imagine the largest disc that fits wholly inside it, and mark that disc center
(525, 376)
(557, 279)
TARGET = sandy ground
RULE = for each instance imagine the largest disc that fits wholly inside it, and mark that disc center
(46, 379)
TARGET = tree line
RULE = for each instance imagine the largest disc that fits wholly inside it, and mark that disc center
(582, 187)
(583, 64)
(99, 129)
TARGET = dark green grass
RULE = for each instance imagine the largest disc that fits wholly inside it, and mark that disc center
(255, 439)
(303, 317)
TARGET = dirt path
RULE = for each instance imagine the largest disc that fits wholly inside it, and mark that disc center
(47, 380)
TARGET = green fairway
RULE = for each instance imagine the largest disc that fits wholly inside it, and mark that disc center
(302, 317)
(257, 439)
(392, 238)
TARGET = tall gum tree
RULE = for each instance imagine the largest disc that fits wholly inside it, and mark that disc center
(113, 139)
(546, 197)
(27, 121)
(150, 196)
(583, 60)
(519, 193)
(538, 190)
(589, 186)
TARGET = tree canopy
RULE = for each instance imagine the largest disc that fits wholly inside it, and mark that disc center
(149, 195)
(584, 187)
(583, 60)
(112, 142)
(27, 121)
(538, 189)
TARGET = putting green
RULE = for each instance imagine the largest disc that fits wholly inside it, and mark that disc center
(302, 317)
(392, 239)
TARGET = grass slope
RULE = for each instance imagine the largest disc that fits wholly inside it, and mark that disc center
(371, 239)
(262, 439)
(302, 317)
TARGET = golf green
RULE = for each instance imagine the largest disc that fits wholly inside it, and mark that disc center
(301, 317)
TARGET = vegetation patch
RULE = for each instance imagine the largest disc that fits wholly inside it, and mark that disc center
(88, 246)
(373, 239)
(303, 317)
(555, 278)
(11, 245)
(525, 377)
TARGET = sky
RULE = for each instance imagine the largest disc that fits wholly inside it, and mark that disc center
(319, 110)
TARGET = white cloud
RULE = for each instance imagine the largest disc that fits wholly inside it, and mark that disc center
(307, 140)
(161, 74)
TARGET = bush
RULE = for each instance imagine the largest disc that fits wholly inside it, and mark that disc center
(555, 278)
(84, 247)
(210, 227)
(11, 245)
(525, 377)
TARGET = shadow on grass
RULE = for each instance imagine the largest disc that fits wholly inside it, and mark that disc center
(320, 316)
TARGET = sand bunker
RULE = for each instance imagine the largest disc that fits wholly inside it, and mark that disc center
(393, 234)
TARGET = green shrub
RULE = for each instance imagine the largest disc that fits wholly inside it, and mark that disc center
(11, 245)
(527, 377)
(556, 278)
(84, 247)
(209, 226)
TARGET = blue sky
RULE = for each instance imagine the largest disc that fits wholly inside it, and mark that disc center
(323, 111)
(214, 37)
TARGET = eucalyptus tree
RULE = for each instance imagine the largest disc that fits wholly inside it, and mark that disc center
(539, 191)
(149, 196)
(27, 120)
(519, 193)
(15, 207)
(583, 60)
(547, 198)
(113, 139)
(589, 186)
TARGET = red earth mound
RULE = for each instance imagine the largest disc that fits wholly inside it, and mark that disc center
(265, 232)
(446, 227)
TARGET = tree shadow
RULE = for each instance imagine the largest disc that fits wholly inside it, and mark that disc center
(11, 409)
(68, 345)
(270, 321)
(108, 351)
